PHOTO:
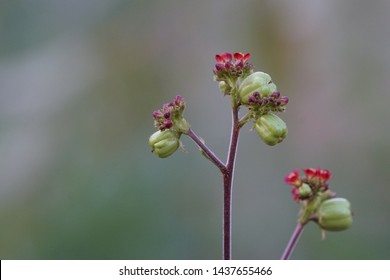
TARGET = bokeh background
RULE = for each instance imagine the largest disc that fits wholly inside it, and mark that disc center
(80, 79)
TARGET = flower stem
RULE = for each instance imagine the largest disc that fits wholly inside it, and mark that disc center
(227, 209)
(228, 185)
(293, 241)
(210, 155)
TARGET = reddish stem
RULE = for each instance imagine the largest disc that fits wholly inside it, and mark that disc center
(227, 171)
(293, 241)
(228, 185)
(211, 156)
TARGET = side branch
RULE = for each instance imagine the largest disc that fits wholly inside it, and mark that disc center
(210, 155)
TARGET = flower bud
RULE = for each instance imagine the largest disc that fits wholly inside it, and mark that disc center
(164, 143)
(256, 82)
(271, 129)
(335, 214)
(304, 191)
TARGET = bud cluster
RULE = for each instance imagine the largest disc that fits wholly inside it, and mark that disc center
(260, 95)
(318, 202)
(171, 124)
(263, 105)
(315, 178)
(230, 67)
(163, 117)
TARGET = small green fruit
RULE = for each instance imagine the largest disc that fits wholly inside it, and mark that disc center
(271, 129)
(335, 214)
(304, 191)
(164, 143)
(256, 82)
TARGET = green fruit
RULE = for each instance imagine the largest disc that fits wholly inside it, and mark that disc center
(304, 191)
(256, 82)
(164, 143)
(271, 129)
(335, 214)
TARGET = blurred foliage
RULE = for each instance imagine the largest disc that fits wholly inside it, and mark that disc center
(78, 83)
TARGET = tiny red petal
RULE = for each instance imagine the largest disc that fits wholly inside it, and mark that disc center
(292, 178)
(310, 172)
(238, 56)
(325, 174)
(295, 194)
(246, 57)
(227, 56)
(218, 58)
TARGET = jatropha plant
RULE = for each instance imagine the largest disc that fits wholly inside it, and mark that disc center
(256, 92)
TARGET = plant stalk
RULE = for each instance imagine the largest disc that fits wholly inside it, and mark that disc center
(210, 155)
(228, 185)
(293, 241)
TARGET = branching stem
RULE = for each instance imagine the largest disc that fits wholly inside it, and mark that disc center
(210, 155)
(227, 171)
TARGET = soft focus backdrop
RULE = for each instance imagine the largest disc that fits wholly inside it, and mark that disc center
(80, 79)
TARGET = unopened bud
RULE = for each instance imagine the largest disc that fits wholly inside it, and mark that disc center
(304, 191)
(271, 129)
(335, 214)
(258, 81)
(164, 143)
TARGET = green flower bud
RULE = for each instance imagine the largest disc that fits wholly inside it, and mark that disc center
(335, 214)
(164, 143)
(271, 129)
(256, 82)
(304, 191)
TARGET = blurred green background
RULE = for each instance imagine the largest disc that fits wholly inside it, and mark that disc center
(80, 79)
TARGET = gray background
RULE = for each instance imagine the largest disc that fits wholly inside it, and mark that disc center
(80, 79)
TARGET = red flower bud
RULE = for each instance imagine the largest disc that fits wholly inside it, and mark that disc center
(293, 178)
